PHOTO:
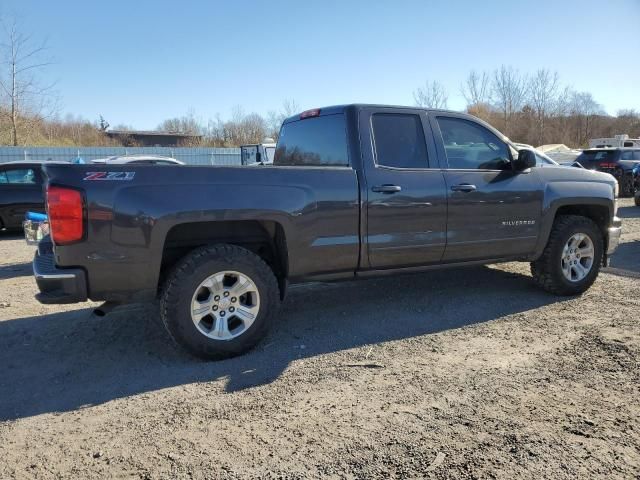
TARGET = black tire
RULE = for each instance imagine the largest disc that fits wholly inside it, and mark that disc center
(627, 188)
(636, 198)
(189, 273)
(547, 270)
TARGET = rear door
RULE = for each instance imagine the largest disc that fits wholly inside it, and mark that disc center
(493, 211)
(20, 192)
(406, 197)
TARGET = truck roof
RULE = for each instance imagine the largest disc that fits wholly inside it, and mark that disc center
(333, 109)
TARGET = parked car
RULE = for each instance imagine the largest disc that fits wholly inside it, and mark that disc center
(355, 191)
(543, 160)
(619, 162)
(138, 160)
(21, 190)
(559, 153)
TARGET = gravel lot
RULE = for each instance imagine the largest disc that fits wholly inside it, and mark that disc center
(472, 373)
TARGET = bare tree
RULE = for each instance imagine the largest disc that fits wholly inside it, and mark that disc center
(289, 107)
(584, 110)
(28, 100)
(508, 90)
(543, 96)
(104, 125)
(475, 89)
(432, 95)
(627, 121)
(273, 124)
(187, 124)
(274, 119)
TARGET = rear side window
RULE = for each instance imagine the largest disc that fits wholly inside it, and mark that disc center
(472, 146)
(317, 141)
(18, 176)
(593, 156)
(636, 154)
(627, 155)
(399, 140)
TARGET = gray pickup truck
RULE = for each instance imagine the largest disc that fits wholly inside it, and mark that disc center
(354, 191)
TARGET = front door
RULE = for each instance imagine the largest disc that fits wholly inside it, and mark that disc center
(494, 211)
(406, 195)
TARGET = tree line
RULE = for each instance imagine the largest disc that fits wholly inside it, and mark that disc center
(534, 108)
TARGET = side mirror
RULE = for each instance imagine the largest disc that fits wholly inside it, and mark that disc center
(526, 159)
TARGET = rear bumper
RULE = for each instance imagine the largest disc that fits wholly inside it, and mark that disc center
(613, 235)
(57, 285)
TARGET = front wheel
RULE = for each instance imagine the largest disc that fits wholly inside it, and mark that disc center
(219, 301)
(636, 198)
(572, 258)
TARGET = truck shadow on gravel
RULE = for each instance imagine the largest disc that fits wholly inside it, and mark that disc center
(10, 234)
(628, 212)
(69, 360)
(16, 270)
(625, 261)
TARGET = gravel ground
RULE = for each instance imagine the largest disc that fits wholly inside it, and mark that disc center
(470, 373)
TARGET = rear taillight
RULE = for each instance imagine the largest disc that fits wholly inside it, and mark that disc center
(66, 217)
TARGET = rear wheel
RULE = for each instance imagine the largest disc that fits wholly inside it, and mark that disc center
(219, 301)
(636, 198)
(572, 258)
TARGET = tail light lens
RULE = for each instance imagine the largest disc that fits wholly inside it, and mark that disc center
(66, 219)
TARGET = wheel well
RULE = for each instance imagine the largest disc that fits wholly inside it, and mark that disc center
(598, 213)
(264, 238)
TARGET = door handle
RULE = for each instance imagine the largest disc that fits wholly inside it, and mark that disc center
(464, 187)
(386, 188)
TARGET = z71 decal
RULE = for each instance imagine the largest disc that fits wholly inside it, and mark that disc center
(109, 176)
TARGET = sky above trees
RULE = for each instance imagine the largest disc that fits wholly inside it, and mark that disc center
(141, 62)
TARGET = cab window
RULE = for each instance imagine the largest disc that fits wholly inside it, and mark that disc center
(318, 141)
(399, 140)
(469, 145)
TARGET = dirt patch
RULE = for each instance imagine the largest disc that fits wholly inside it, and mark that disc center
(469, 373)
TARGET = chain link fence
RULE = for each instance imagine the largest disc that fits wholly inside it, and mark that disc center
(191, 156)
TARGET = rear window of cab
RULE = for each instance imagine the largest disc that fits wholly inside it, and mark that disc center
(316, 141)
